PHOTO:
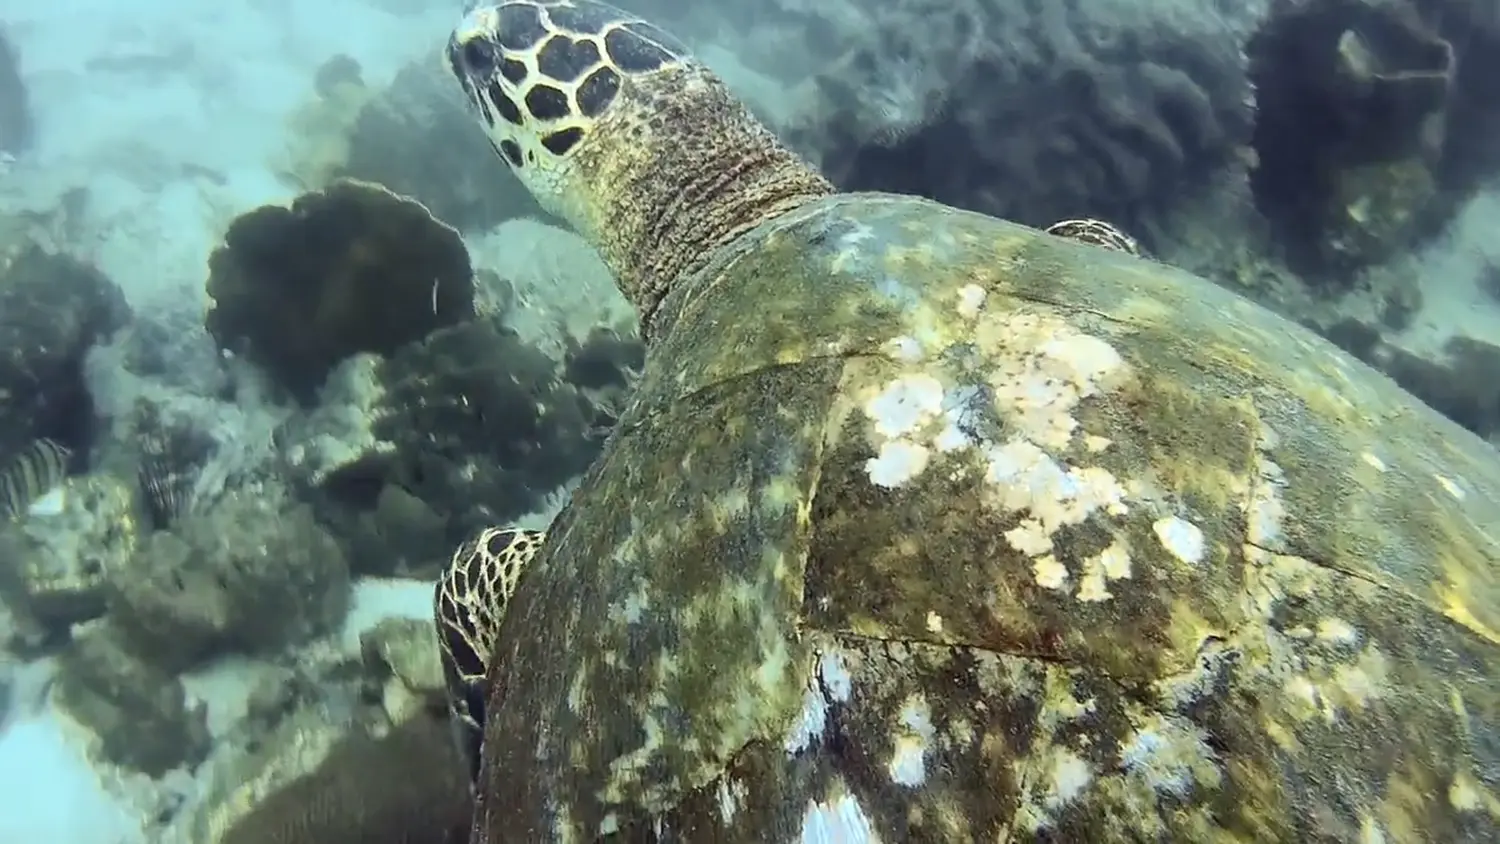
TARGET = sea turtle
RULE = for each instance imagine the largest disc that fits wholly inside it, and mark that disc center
(926, 526)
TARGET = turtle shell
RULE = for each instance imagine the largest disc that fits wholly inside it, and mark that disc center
(925, 526)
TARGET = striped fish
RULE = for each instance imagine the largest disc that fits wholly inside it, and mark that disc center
(30, 476)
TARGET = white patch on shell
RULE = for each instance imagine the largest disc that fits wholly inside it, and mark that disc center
(897, 463)
(627, 766)
(1088, 358)
(1337, 631)
(1264, 512)
(1030, 538)
(1373, 461)
(1170, 757)
(970, 299)
(830, 684)
(1069, 776)
(811, 721)
(731, 795)
(1056, 494)
(838, 821)
(906, 404)
(577, 693)
(913, 739)
(1181, 538)
(1113, 563)
(906, 349)
(1329, 689)
(1050, 574)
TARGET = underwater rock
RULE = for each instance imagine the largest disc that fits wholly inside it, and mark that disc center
(349, 269)
(401, 661)
(1352, 117)
(251, 575)
(458, 175)
(138, 712)
(17, 126)
(1033, 111)
(317, 132)
(1461, 384)
(55, 565)
(1470, 154)
(477, 427)
(1489, 280)
(319, 784)
(471, 424)
(53, 309)
(342, 70)
(609, 358)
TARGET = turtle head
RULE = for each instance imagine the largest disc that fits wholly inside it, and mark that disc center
(548, 78)
(614, 126)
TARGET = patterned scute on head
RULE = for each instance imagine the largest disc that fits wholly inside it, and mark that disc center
(540, 73)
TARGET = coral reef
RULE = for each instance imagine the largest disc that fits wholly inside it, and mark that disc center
(401, 784)
(1353, 101)
(401, 662)
(1460, 384)
(251, 575)
(137, 711)
(317, 135)
(1470, 153)
(56, 566)
(456, 174)
(17, 126)
(1034, 111)
(53, 309)
(466, 428)
(348, 269)
(169, 462)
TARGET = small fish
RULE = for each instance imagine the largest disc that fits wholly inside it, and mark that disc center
(166, 488)
(31, 476)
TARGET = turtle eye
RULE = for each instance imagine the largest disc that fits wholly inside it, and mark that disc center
(478, 57)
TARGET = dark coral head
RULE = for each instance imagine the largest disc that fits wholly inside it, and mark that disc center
(347, 269)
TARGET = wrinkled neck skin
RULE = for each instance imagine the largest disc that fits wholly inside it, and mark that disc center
(659, 315)
(701, 172)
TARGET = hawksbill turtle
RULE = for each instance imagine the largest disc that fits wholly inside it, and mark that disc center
(927, 526)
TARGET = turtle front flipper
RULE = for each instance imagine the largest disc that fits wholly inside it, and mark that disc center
(1095, 232)
(468, 605)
